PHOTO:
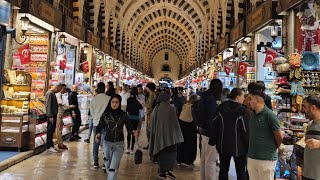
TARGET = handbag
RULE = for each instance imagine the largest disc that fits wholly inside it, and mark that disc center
(138, 157)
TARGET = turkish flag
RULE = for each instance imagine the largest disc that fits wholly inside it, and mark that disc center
(227, 69)
(85, 66)
(24, 54)
(242, 69)
(270, 56)
(63, 63)
(99, 70)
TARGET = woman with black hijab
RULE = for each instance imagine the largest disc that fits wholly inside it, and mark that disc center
(112, 121)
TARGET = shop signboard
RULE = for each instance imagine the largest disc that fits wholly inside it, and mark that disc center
(260, 16)
(237, 32)
(4, 13)
(284, 5)
(213, 51)
(105, 46)
(74, 29)
(93, 40)
(17, 3)
(44, 11)
(223, 44)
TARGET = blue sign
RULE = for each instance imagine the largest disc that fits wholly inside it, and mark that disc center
(4, 13)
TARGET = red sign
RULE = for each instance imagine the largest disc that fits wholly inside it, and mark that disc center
(242, 69)
(24, 54)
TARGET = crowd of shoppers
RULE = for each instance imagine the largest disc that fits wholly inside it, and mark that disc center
(235, 125)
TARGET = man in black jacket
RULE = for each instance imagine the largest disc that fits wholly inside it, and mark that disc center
(76, 115)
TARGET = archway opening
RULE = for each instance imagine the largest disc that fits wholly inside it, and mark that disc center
(165, 82)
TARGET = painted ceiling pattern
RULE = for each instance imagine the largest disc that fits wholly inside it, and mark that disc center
(142, 28)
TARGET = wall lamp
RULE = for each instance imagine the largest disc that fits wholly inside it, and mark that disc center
(24, 28)
(62, 40)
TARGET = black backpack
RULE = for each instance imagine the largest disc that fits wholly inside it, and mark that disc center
(138, 157)
(200, 110)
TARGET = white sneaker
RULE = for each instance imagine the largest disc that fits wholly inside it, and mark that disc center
(53, 150)
(127, 151)
(131, 151)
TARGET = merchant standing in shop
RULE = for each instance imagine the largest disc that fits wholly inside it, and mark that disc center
(311, 167)
(76, 115)
(52, 112)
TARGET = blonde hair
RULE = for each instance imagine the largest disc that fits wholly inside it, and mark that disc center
(193, 98)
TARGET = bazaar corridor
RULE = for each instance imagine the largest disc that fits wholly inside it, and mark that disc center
(76, 163)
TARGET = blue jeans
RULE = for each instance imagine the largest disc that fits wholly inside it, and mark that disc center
(90, 128)
(95, 146)
(113, 152)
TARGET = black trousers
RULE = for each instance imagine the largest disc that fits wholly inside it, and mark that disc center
(76, 125)
(240, 163)
(130, 137)
(167, 158)
(51, 127)
(187, 151)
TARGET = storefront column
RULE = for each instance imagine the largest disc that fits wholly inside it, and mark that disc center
(2, 50)
(291, 32)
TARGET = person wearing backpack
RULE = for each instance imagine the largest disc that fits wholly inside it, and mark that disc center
(203, 112)
(230, 134)
(187, 151)
(264, 139)
(133, 109)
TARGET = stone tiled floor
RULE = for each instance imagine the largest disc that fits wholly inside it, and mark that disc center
(77, 164)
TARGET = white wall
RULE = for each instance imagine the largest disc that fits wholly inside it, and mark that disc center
(173, 62)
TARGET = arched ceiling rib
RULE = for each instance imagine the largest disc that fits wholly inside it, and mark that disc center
(142, 28)
(162, 31)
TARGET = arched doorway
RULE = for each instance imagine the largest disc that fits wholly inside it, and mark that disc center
(165, 82)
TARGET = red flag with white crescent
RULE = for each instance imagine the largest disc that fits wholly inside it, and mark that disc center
(24, 54)
(63, 63)
(99, 70)
(227, 69)
(270, 56)
(85, 66)
(242, 69)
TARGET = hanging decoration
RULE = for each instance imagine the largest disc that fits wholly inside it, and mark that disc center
(24, 54)
(85, 66)
(270, 56)
(227, 69)
(242, 69)
(63, 62)
(99, 70)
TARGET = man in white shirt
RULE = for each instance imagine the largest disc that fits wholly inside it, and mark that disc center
(125, 94)
(142, 100)
(98, 105)
(62, 107)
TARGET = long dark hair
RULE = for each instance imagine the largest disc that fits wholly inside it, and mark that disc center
(134, 92)
(235, 93)
(216, 88)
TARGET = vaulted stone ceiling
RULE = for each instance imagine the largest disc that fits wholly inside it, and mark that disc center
(142, 28)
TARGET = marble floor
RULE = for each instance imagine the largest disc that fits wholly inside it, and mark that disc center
(76, 163)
